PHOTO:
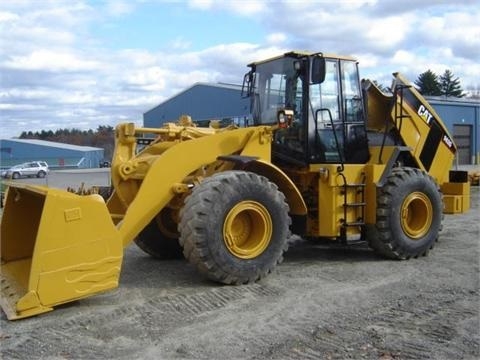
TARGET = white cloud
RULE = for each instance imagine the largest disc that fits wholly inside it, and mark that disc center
(276, 38)
(180, 43)
(396, 28)
(118, 7)
(458, 30)
(6, 16)
(20, 107)
(243, 8)
(52, 61)
(137, 57)
(201, 4)
(148, 79)
(247, 7)
(403, 57)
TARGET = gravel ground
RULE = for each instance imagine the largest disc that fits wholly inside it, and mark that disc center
(321, 303)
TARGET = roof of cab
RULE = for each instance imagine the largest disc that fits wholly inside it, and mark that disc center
(300, 53)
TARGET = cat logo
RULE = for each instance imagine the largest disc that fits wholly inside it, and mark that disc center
(425, 114)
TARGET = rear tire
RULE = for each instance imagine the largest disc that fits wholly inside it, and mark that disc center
(159, 239)
(41, 174)
(234, 227)
(409, 215)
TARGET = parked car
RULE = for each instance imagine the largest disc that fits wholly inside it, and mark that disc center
(104, 164)
(29, 169)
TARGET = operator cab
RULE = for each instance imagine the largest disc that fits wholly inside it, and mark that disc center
(317, 102)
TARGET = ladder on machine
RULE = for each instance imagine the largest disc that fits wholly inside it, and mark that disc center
(357, 192)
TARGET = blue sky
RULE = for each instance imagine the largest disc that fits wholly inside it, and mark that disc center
(161, 25)
(85, 63)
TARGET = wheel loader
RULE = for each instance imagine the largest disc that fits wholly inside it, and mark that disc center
(325, 156)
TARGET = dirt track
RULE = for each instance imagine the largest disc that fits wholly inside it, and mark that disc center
(320, 303)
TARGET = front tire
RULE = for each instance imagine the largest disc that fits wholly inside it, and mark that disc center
(234, 227)
(409, 215)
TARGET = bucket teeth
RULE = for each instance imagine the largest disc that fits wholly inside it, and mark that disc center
(8, 296)
(13, 303)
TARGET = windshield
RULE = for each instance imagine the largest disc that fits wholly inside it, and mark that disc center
(277, 85)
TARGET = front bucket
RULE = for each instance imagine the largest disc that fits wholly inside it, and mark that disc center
(56, 247)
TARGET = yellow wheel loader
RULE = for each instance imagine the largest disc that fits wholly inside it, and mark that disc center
(326, 156)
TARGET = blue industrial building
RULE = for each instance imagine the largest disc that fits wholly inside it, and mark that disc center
(462, 117)
(204, 102)
(57, 155)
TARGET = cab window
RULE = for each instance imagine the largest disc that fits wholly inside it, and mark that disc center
(352, 107)
(325, 96)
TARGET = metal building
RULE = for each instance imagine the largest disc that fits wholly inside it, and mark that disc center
(205, 102)
(462, 117)
(57, 155)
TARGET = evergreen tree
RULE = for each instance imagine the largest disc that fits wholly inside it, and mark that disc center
(450, 86)
(428, 83)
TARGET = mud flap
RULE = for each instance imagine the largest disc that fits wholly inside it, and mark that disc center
(56, 247)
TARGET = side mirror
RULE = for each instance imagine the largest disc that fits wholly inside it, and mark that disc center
(318, 70)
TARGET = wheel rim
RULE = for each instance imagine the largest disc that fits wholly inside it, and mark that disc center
(416, 215)
(247, 229)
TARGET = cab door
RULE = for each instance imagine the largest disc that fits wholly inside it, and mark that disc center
(336, 116)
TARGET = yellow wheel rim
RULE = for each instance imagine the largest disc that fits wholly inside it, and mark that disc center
(247, 229)
(416, 215)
